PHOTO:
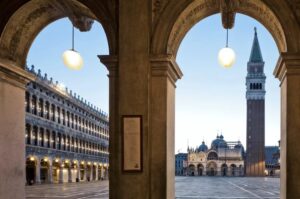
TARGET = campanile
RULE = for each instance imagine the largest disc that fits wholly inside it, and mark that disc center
(255, 96)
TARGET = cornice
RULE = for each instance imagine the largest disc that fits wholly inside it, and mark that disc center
(287, 64)
(165, 65)
(14, 75)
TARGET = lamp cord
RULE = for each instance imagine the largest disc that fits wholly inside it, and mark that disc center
(73, 38)
(227, 25)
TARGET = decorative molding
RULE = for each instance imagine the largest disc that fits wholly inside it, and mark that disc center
(111, 63)
(165, 65)
(287, 64)
(13, 74)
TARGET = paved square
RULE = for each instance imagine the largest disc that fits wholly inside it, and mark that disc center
(186, 188)
(226, 188)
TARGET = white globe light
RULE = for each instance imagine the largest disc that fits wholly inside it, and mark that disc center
(72, 59)
(226, 57)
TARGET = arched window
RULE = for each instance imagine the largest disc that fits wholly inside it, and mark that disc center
(41, 137)
(58, 115)
(28, 134)
(47, 110)
(53, 112)
(35, 136)
(63, 117)
(33, 105)
(212, 156)
(251, 86)
(41, 107)
(27, 102)
(53, 142)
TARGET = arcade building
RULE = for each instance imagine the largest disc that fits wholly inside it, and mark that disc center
(66, 137)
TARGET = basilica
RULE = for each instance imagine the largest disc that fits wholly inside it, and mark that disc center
(221, 159)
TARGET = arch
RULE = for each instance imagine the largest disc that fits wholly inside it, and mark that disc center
(179, 17)
(211, 168)
(212, 155)
(233, 169)
(19, 31)
(224, 170)
(200, 169)
(192, 170)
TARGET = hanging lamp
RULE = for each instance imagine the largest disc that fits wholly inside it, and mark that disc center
(71, 58)
(226, 56)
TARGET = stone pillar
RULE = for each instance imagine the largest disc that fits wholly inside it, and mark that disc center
(165, 73)
(13, 80)
(78, 171)
(70, 174)
(85, 175)
(288, 72)
(60, 174)
(96, 177)
(38, 171)
(50, 172)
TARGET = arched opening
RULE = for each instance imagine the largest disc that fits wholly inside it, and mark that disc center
(233, 169)
(224, 170)
(30, 170)
(200, 169)
(211, 169)
(192, 170)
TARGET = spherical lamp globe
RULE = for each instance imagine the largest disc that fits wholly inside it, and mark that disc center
(72, 59)
(226, 57)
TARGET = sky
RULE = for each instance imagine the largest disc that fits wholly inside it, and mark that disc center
(209, 98)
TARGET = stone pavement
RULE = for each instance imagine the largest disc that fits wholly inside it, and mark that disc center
(83, 190)
(186, 188)
(226, 188)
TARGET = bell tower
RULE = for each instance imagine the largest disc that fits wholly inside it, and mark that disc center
(255, 96)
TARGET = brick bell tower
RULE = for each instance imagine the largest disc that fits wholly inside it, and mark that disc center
(255, 95)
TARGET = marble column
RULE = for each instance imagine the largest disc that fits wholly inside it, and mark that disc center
(60, 175)
(96, 177)
(70, 174)
(38, 171)
(288, 72)
(78, 175)
(50, 173)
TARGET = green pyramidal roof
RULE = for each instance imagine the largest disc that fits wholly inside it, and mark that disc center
(255, 55)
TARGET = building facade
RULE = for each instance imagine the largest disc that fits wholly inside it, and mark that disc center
(272, 161)
(180, 164)
(221, 159)
(255, 96)
(66, 137)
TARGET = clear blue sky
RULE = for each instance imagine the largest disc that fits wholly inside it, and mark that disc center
(209, 98)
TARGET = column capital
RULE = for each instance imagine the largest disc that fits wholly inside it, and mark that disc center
(110, 62)
(13, 74)
(165, 65)
(287, 64)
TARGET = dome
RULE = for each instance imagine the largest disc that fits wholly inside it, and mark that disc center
(239, 146)
(219, 142)
(203, 147)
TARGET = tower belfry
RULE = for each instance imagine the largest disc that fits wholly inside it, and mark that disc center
(255, 96)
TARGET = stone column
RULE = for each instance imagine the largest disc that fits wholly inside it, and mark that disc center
(50, 172)
(165, 73)
(91, 172)
(85, 173)
(288, 72)
(13, 80)
(38, 171)
(78, 171)
(60, 174)
(70, 174)
(96, 177)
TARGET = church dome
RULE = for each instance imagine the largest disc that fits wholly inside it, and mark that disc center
(219, 142)
(203, 147)
(239, 146)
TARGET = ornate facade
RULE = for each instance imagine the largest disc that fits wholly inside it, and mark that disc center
(222, 159)
(66, 138)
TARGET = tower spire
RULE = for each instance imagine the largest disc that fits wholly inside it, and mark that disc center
(255, 55)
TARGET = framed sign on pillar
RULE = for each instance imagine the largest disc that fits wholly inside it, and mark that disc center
(132, 143)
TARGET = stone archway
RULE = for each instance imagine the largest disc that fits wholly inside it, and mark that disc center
(23, 22)
(177, 18)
